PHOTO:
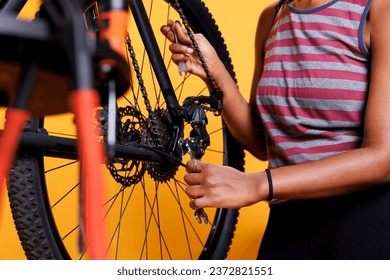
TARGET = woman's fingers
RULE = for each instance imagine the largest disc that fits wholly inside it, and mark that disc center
(194, 178)
(167, 31)
(211, 185)
(175, 33)
(181, 34)
(198, 203)
(183, 51)
(198, 199)
(194, 191)
(194, 166)
(180, 48)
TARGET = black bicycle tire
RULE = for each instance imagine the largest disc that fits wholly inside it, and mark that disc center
(27, 191)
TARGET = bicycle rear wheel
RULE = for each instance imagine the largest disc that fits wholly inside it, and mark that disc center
(147, 208)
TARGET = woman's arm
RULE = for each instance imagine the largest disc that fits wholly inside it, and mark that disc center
(345, 173)
(248, 124)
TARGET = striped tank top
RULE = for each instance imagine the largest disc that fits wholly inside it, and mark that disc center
(312, 94)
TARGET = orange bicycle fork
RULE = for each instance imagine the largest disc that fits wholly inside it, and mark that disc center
(91, 155)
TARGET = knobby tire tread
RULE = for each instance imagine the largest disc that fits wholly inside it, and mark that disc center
(26, 211)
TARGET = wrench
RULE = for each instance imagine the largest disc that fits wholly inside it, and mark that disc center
(200, 214)
(182, 65)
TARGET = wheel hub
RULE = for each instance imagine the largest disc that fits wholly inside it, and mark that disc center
(130, 121)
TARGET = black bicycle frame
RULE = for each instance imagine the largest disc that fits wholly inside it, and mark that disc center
(12, 6)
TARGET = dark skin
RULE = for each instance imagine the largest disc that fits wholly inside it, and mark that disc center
(224, 187)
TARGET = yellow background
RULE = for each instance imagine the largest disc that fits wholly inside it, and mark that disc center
(237, 22)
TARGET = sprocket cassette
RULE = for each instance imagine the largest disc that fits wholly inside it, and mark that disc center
(157, 134)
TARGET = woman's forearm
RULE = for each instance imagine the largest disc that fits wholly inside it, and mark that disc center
(238, 115)
(345, 173)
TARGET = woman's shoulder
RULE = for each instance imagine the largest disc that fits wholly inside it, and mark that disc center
(271, 9)
(265, 21)
(378, 16)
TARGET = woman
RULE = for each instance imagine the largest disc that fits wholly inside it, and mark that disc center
(318, 113)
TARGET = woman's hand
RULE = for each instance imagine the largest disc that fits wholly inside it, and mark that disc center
(184, 50)
(212, 185)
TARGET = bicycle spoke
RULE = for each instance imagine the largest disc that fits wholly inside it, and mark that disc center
(65, 195)
(182, 210)
(70, 232)
(119, 225)
(183, 222)
(61, 166)
(149, 219)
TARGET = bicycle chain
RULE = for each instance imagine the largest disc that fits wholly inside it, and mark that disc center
(215, 93)
(138, 74)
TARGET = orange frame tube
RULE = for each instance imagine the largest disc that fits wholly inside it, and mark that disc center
(115, 32)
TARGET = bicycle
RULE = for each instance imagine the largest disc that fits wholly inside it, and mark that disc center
(153, 135)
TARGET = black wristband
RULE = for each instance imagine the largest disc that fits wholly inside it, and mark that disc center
(270, 185)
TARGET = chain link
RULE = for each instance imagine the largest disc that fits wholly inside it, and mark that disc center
(138, 74)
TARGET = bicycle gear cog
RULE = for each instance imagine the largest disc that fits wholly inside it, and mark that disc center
(156, 134)
(130, 121)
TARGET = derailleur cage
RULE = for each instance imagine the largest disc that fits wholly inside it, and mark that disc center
(199, 139)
